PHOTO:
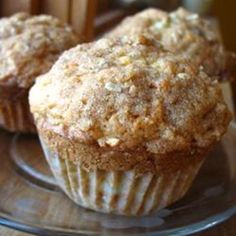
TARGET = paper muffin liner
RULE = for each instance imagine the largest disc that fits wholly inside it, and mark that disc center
(119, 192)
(15, 116)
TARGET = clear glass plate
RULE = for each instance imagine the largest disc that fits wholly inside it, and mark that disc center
(31, 201)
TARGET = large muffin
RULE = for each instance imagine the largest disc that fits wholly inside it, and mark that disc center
(182, 33)
(29, 45)
(126, 125)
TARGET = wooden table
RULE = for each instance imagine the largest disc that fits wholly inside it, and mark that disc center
(227, 228)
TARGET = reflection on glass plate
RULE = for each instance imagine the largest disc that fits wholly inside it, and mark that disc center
(31, 201)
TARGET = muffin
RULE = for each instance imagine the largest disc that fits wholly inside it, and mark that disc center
(29, 45)
(182, 33)
(125, 125)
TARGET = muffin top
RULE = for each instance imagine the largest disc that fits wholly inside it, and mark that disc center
(129, 93)
(29, 45)
(180, 32)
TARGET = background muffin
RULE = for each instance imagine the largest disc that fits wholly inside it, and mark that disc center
(181, 32)
(29, 45)
(126, 125)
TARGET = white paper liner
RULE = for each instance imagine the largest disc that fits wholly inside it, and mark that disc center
(119, 192)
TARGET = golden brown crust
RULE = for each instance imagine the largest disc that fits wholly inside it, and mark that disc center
(180, 32)
(29, 45)
(93, 157)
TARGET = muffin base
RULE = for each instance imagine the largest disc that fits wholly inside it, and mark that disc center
(15, 115)
(120, 192)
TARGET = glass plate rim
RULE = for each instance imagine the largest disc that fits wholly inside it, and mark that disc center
(180, 231)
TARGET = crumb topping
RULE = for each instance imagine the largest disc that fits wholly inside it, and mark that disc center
(130, 93)
(180, 32)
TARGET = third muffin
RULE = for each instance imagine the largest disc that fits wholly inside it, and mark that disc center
(181, 32)
(126, 125)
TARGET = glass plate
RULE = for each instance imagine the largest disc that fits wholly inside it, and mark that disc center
(31, 201)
